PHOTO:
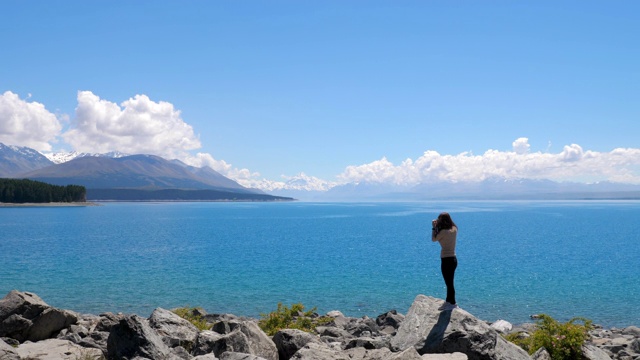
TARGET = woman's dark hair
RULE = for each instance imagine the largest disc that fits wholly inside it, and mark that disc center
(445, 222)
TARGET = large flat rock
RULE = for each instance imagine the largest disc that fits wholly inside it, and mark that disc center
(431, 331)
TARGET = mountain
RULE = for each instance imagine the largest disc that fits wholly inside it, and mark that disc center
(132, 172)
(488, 189)
(116, 176)
(15, 160)
(146, 178)
(63, 157)
(212, 176)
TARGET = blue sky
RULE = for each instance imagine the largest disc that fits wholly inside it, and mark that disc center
(339, 90)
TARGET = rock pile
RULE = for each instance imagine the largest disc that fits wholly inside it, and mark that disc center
(31, 329)
(618, 344)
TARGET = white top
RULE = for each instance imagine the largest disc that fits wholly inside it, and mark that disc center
(447, 240)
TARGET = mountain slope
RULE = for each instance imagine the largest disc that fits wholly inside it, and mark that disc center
(132, 172)
(211, 176)
(489, 189)
(63, 157)
(15, 160)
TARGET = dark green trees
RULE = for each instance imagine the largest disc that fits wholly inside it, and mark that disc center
(29, 191)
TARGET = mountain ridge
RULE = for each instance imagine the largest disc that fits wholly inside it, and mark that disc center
(488, 189)
(140, 171)
(63, 157)
(117, 176)
(150, 173)
(18, 159)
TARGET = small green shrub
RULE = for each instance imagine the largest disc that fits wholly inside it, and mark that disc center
(562, 341)
(291, 318)
(192, 314)
(521, 339)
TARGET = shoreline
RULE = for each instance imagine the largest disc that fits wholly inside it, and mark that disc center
(51, 204)
(32, 329)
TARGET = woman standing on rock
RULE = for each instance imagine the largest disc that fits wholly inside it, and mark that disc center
(444, 231)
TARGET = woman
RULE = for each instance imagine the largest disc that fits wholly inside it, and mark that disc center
(444, 230)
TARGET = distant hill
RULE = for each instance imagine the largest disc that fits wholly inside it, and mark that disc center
(116, 176)
(146, 178)
(15, 160)
(489, 189)
(147, 172)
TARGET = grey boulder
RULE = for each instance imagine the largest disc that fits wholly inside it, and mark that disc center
(289, 341)
(454, 356)
(205, 357)
(25, 316)
(174, 330)
(316, 351)
(430, 330)
(541, 354)
(8, 352)
(55, 349)
(243, 337)
(360, 353)
(239, 356)
(590, 352)
(133, 337)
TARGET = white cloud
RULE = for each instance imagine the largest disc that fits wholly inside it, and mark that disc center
(301, 182)
(137, 126)
(206, 159)
(242, 176)
(572, 153)
(25, 123)
(140, 125)
(572, 164)
(521, 146)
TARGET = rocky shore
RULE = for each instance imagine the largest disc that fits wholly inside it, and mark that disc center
(30, 329)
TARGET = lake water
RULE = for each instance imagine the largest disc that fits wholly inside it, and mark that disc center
(565, 259)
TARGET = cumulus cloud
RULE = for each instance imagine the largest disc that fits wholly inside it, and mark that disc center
(141, 125)
(521, 146)
(136, 126)
(572, 152)
(572, 164)
(301, 182)
(26, 123)
(243, 176)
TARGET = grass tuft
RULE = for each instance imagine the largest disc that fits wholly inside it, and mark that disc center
(192, 314)
(291, 318)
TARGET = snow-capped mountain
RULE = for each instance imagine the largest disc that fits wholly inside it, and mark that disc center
(111, 170)
(300, 182)
(301, 186)
(15, 160)
(63, 157)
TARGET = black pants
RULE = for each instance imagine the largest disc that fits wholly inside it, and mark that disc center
(448, 267)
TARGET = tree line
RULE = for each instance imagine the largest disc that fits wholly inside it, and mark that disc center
(29, 191)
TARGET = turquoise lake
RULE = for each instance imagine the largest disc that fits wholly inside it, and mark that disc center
(516, 258)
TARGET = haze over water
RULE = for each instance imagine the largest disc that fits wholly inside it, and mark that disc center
(565, 259)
